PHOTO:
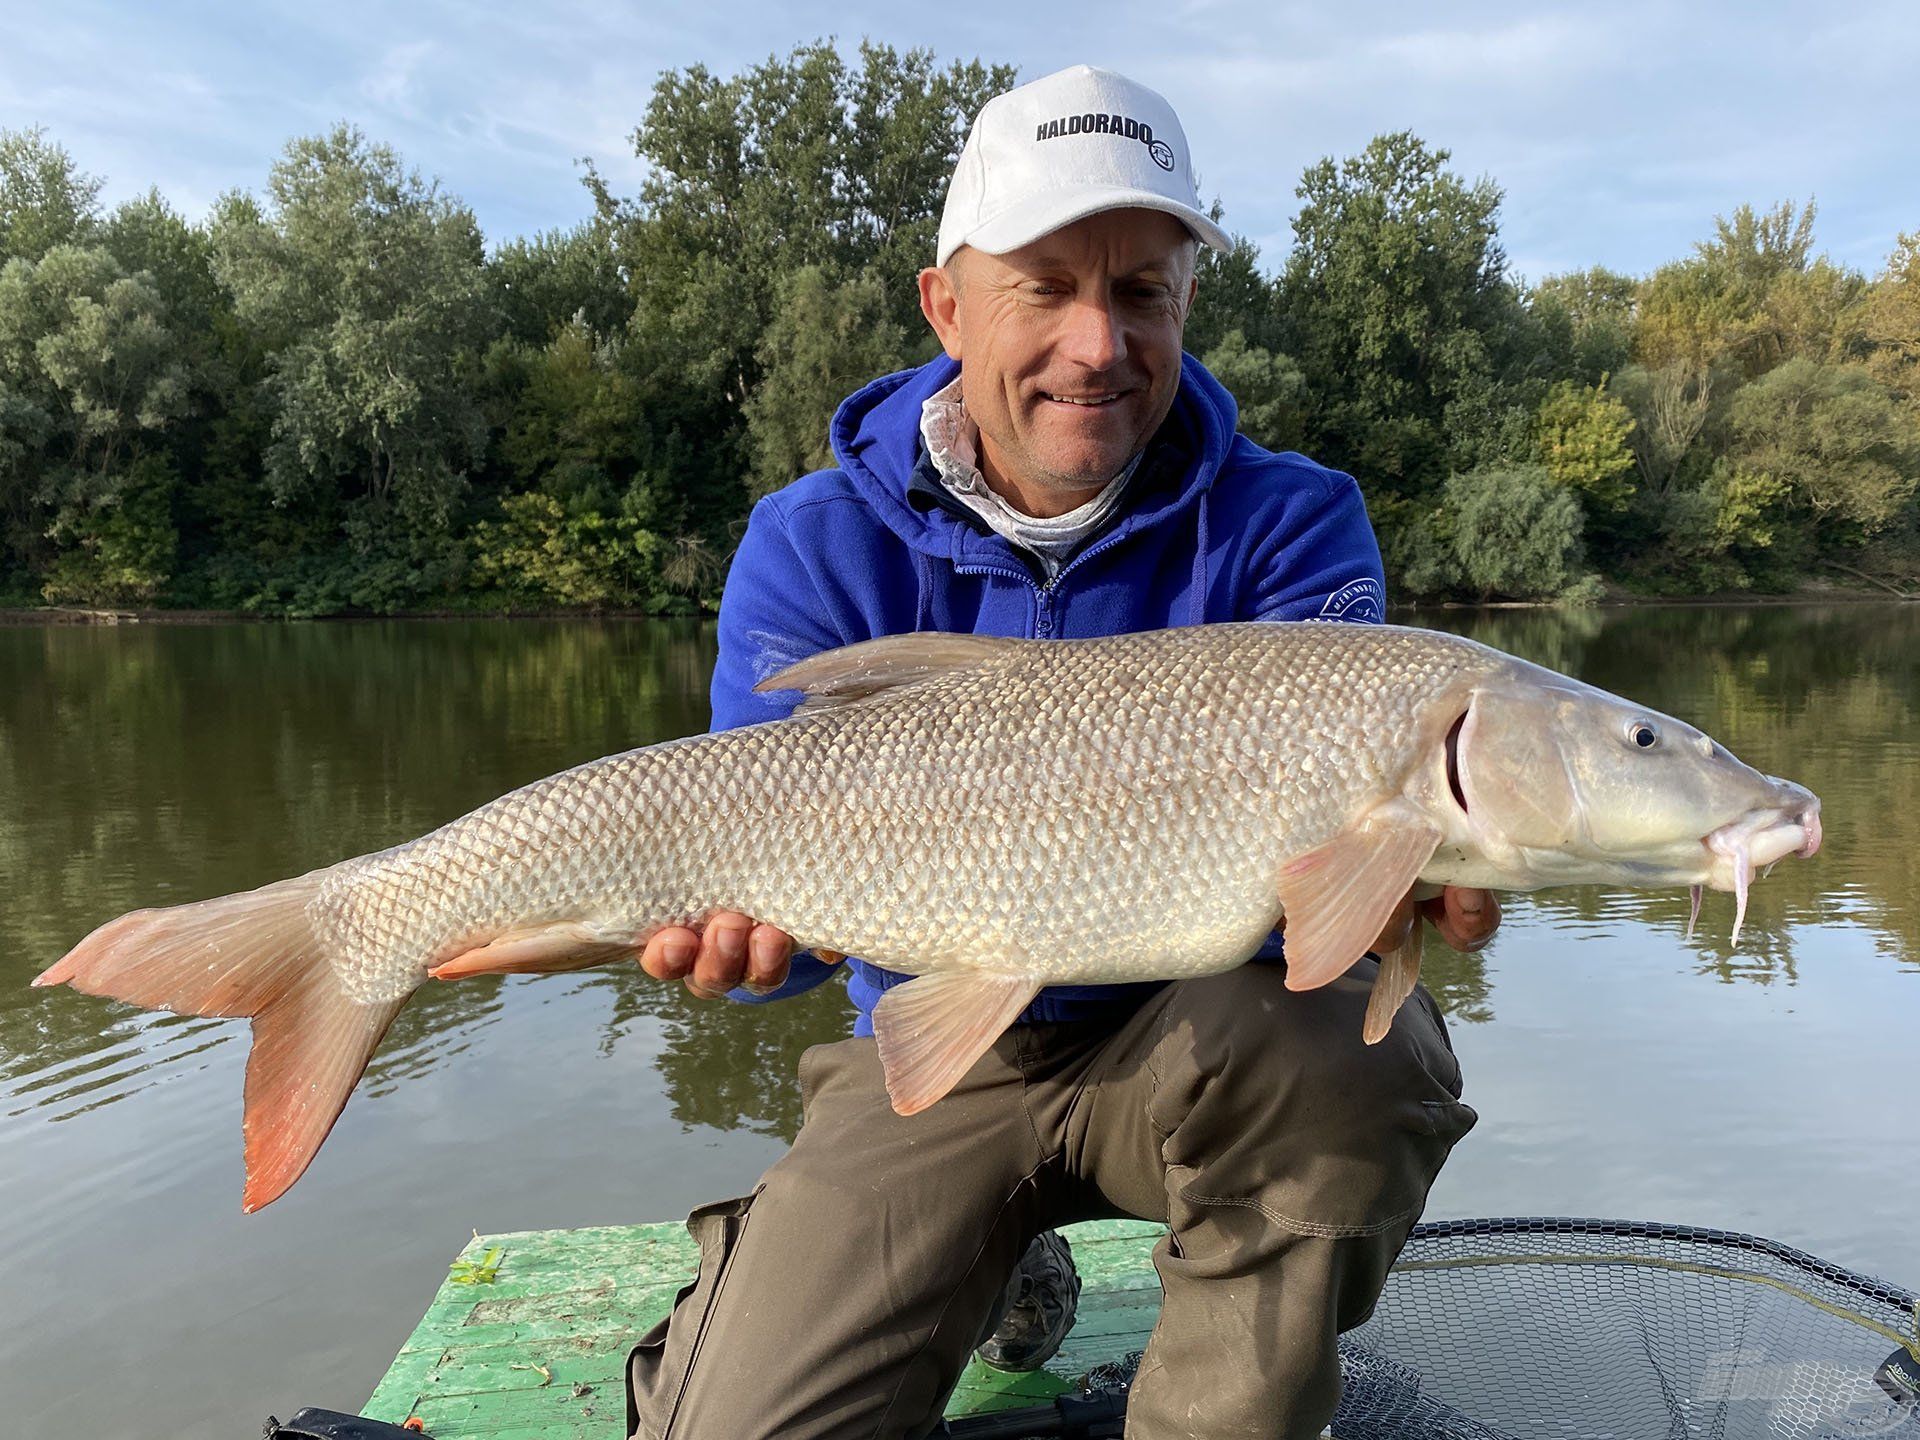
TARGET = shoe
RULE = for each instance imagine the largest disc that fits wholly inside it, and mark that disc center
(1036, 1310)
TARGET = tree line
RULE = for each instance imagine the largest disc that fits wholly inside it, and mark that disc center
(332, 397)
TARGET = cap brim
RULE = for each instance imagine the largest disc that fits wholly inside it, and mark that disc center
(1044, 214)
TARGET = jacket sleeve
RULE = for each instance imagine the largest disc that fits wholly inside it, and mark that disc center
(770, 617)
(1326, 567)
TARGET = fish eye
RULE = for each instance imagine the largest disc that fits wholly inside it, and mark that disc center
(1642, 735)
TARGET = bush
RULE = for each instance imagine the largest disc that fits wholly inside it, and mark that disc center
(1515, 535)
(122, 551)
(545, 551)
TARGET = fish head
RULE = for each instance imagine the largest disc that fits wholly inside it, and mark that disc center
(1565, 783)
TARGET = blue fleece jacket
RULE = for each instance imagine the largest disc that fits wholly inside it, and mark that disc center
(1212, 528)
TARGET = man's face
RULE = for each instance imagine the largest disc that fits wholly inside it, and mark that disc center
(1069, 347)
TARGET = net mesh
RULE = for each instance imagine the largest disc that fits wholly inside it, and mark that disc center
(1530, 1328)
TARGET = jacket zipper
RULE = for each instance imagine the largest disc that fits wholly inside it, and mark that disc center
(1043, 595)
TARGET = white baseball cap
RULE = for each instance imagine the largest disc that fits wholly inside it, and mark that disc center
(1064, 147)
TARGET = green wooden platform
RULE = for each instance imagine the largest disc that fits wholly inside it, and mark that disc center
(538, 1352)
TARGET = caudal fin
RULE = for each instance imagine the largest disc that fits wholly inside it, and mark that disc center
(250, 954)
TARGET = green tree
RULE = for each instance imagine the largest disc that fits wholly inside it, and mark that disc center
(1749, 299)
(576, 421)
(44, 199)
(602, 519)
(797, 161)
(1890, 323)
(123, 552)
(90, 370)
(1234, 294)
(548, 551)
(827, 339)
(1840, 442)
(1588, 317)
(146, 234)
(1581, 437)
(1391, 302)
(804, 160)
(367, 289)
(1269, 389)
(214, 449)
(1746, 508)
(1670, 407)
(544, 283)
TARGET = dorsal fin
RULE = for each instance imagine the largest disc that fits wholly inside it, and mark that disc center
(875, 667)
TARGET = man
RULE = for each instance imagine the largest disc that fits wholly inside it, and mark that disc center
(1062, 471)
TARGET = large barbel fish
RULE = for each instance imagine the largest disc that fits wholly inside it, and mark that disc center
(991, 816)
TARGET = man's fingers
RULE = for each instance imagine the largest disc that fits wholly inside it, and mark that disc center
(768, 951)
(670, 954)
(728, 950)
(1466, 918)
(1399, 925)
(723, 955)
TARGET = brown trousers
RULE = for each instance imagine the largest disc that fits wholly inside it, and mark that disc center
(1288, 1159)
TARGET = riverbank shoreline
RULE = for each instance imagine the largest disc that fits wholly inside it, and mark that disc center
(1814, 594)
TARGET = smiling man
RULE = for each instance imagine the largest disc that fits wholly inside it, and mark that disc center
(1062, 471)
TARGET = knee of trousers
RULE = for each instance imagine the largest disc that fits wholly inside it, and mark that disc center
(1270, 1098)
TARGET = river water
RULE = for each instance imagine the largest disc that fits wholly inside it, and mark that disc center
(1618, 1068)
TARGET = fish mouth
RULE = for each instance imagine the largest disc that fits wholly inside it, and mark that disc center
(1761, 837)
(1755, 841)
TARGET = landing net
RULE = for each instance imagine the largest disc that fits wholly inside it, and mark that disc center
(1523, 1329)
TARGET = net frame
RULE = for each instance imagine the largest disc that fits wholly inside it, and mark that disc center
(1632, 1352)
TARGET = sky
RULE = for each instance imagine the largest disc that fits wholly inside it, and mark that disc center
(1616, 132)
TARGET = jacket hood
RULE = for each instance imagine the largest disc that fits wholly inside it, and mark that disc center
(876, 439)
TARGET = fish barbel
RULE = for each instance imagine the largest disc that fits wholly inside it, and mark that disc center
(991, 816)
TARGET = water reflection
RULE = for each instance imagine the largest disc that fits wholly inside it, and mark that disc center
(155, 764)
(148, 765)
(726, 1066)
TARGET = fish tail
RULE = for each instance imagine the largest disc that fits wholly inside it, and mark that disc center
(253, 954)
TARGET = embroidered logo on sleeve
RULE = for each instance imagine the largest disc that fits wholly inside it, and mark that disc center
(1360, 600)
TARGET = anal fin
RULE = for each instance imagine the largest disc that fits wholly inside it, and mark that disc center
(538, 950)
(932, 1029)
(1339, 896)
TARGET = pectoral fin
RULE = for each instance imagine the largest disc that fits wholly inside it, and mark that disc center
(1339, 896)
(931, 1030)
(1399, 973)
(538, 950)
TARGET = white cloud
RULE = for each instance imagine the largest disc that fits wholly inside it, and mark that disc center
(390, 84)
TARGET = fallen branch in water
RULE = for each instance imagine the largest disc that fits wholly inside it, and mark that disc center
(1886, 585)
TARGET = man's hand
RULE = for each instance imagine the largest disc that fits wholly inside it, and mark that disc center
(729, 950)
(1466, 919)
